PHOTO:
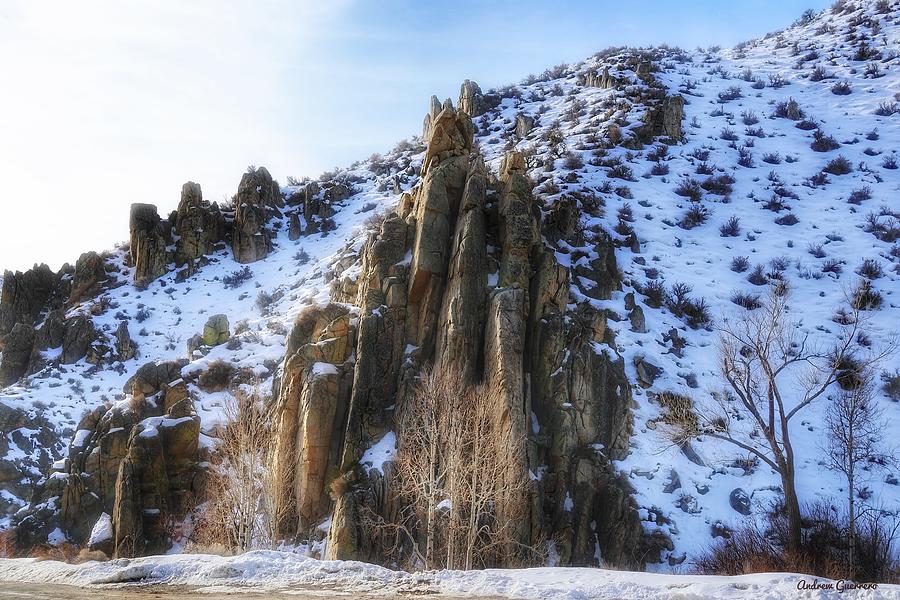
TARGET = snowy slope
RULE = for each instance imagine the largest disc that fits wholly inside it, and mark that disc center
(778, 161)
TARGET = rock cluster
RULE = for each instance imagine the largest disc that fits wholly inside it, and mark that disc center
(135, 460)
(33, 318)
(460, 278)
(199, 226)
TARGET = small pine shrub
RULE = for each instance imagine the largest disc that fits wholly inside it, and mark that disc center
(694, 216)
(758, 275)
(841, 88)
(861, 195)
(745, 300)
(870, 269)
(689, 188)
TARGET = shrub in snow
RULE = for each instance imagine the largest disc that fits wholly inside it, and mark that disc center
(889, 162)
(746, 300)
(839, 166)
(620, 172)
(690, 188)
(237, 278)
(866, 297)
(806, 125)
(659, 168)
(745, 158)
(841, 88)
(892, 385)
(758, 275)
(748, 117)
(860, 195)
(789, 109)
(216, 377)
(772, 158)
(654, 293)
(816, 250)
(832, 265)
(870, 269)
(819, 74)
(739, 264)
(728, 134)
(823, 143)
(732, 93)
(721, 185)
(694, 216)
(787, 220)
(731, 228)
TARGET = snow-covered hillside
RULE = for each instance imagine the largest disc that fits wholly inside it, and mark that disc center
(787, 172)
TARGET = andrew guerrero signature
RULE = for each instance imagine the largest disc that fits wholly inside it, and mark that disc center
(840, 585)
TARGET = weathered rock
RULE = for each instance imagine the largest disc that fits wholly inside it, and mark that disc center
(739, 501)
(524, 125)
(78, 337)
(199, 225)
(473, 102)
(294, 228)
(16, 354)
(90, 274)
(24, 296)
(519, 232)
(126, 348)
(216, 331)
(312, 410)
(647, 372)
(149, 239)
(638, 321)
(257, 198)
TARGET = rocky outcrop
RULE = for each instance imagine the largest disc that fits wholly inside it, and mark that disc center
(16, 353)
(150, 237)
(473, 102)
(199, 226)
(25, 296)
(257, 198)
(134, 460)
(459, 277)
(524, 125)
(90, 275)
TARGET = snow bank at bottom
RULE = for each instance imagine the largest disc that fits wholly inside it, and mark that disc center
(282, 571)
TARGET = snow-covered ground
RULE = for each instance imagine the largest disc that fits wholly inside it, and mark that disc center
(273, 571)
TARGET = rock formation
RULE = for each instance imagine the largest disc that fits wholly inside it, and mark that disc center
(150, 237)
(258, 195)
(24, 296)
(199, 226)
(473, 102)
(136, 461)
(424, 297)
(90, 274)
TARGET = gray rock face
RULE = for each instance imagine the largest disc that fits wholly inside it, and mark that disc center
(258, 196)
(150, 236)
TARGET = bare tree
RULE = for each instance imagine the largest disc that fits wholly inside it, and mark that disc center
(773, 372)
(854, 425)
(243, 509)
(458, 508)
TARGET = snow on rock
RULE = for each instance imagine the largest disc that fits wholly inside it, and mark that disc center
(384, 449)
(102, 531)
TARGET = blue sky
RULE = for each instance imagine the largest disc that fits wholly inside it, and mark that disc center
(109, 102)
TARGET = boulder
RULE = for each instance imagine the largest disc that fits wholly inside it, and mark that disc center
(294, 228)
(216, 331)
(126, 348)
(739, 501)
